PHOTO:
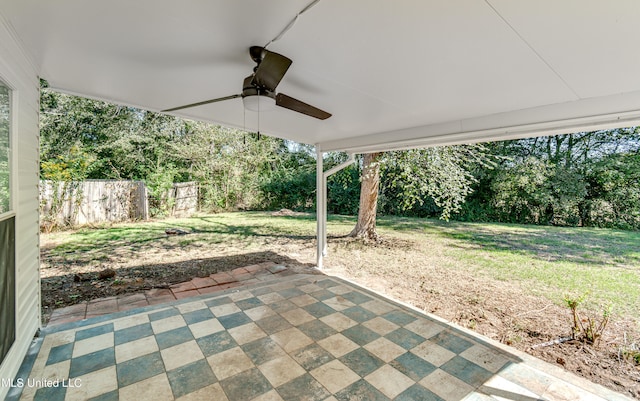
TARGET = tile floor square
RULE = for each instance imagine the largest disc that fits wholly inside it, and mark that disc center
(60, 353)
(399, 317)
(156, 388)
(94, 331)
(380, 325)
(378, 307)
(197, 316)
(234, 320)
(246, 333)
(56, 371)
(425, 327)
(92, 344)
(338, 303)
(304, 388)
(224, 309)
(130, 321)
(454, 343)
(312, 356)
(356, 297)
(322, 295)
(229, 363)
(281, 370)
(283, 306)
(270, 298)
(318, 309)
(190, 378)
(291, 339)
(191, 307)
(263, 350)
(169, 323)
(181, 354)
(236, 387)
(134, 349)
(273, 324)
(316, 329)
(486, 358)
(385, 349)
(358, 313)
(249, 303)
(466, 371)
(446, 386)
(360, 334)
(362, 361)
(433, 353)
(138, 369)
(291, 293)
(334, 376)
(326, 283)
(132, 333)
(173, 337)
(259, 312)
(413, 366)
(303, 300)
(338, 321)
(361, 390)
(92, 362)
(213, 392)
(338, 345)
(308, 288)
(50, 394)
(205, 328)
(216, 343)
(297, 316)
(418, 392)
(405, 338)
(94, 384)
(163, 314)
(389, 381)
(218, 301)
(339, 289)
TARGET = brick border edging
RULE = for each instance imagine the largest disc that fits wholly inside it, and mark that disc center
(196, 286)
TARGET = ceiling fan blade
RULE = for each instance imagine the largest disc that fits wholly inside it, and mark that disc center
(270, 70)
(186, 106)
(290, 103)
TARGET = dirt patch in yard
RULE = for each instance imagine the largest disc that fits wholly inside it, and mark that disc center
(410, 271)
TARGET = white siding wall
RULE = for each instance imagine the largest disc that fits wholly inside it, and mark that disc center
(19, 74)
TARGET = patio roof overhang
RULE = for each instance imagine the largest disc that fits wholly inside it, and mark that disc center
(393, 74)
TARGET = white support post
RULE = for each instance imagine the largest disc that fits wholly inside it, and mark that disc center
(321, 209)
(321, 202)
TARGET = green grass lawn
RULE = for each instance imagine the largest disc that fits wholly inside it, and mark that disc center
(547, 261)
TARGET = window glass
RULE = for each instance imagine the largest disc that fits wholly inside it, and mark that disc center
(4, 149)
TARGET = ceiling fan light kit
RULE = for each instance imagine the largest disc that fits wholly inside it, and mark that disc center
(259, 89)
(259, 103)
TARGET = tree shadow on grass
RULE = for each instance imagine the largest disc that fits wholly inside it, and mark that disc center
(592, 246)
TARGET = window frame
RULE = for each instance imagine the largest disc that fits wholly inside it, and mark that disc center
(10, 151)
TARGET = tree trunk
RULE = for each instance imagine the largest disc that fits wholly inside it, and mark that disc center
(366, 225)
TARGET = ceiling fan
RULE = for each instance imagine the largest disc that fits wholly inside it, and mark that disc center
(259, 88)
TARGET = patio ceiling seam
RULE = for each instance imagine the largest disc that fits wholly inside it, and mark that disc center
(530, 46)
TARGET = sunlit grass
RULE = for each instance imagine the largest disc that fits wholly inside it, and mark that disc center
(548, 261)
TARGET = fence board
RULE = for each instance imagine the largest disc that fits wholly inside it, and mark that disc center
(95, 201)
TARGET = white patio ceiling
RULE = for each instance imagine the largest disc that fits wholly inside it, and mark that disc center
(394, 74)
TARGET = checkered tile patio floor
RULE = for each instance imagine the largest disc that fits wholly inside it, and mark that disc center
(300, 337)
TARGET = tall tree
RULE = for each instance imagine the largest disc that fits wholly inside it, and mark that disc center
(369, 186)
(442, 174)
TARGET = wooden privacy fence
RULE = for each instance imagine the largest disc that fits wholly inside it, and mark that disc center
(95, 201)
